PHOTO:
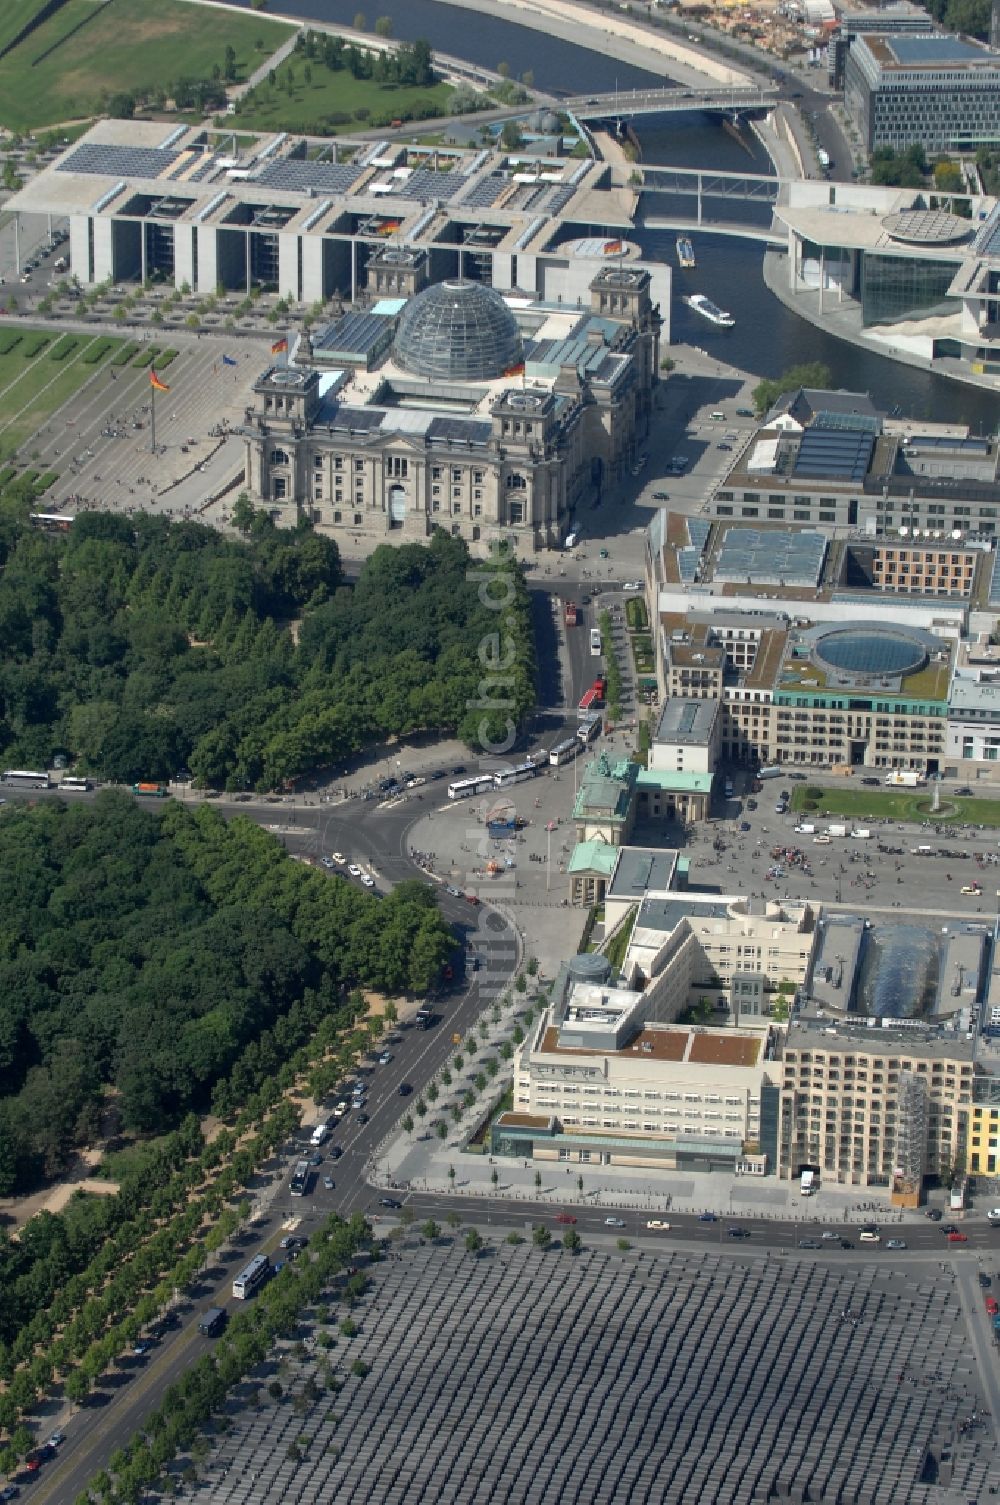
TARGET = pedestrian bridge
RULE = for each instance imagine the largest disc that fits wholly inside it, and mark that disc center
(626, 103)
(712, 227)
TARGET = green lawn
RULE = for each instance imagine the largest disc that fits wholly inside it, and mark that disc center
(130, 45)
(320, 107)
(894, 804)
(13, 15)
(32, 388)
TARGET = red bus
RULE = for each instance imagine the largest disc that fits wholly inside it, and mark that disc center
(589, 703)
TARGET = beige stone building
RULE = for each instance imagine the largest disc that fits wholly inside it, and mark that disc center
(488, 417)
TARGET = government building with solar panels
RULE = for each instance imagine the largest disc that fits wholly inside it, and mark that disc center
(455, 408)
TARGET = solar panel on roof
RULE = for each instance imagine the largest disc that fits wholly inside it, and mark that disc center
(299, 177)
(839, 454)
(771, 557)
(862, 423)
(119, 161)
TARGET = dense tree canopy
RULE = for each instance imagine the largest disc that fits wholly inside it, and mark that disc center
(143, 953)
(137, 646)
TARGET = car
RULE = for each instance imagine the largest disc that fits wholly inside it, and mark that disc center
(845, 1243)
(965, 791)
(971, 888)
(279, 1265)
(614, 1222)
(367, 880)
(658, 1225)
(935, 1214)
(872, 782)
(56, 1440)
(632, 585)
(141, 1346)
(404, 1089)
(991, 1306)
(385, 1058)
(828, 1234)
(739, 1233)
(459, 768)
(340, 1110)
(744, 825)
(751, 804)
(706, 1217)
(338, 858)
(948, 1228)
(723, 445)
(958, 1238)
(316, 1159)
(895, 1243)
(354, 870)
(389, 1202)
(336, 1150)
(471, 898)
(326, 862)
(565, 1217)
(661, 496)
(328, 1182)
(362, 1118)
(32, 1463)
(810, 1243)
(781, 807)
(290, 1241)
(985, 1280)
(9, 1492)
(745, 413)
(456, 893)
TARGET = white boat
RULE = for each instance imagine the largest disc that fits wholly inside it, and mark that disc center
(709, 310)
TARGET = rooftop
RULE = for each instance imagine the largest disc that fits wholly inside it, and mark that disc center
(689, 723)
(641, 869)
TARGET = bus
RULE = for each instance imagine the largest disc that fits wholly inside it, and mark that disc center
(423, 1019)
(564, 752)
(515, 775)
(588, 729)
(57, 522)
(595, 641)
(588, 703)
(300, 1179)
(26, 778)
(75, 785)
(463, 789)
(251, 1277)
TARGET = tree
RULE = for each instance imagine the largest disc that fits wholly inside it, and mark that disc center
(383, 26)
(572, 1241)
(511, 138)
(806, 374)
(360, 22)
(441, 1129)
(430, 1230)
(473, 1241)
(538, 1180)
(541, 1236)
(503, 69)
(451, 1176)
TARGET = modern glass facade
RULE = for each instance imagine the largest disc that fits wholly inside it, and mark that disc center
(458, 331)
(904, 287)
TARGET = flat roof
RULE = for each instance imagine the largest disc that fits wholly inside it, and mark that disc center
(593, 856)
(934, 49)
(643, 868)
(688, 722)
(681, 780)
(723, 1048)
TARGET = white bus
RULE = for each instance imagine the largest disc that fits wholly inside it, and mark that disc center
(300, 1179)
(515, 775)
(595, 642)
(463, 789)
(75, 785)
(251, 1277)
(588, 729)
(26, 778)
(564, 752)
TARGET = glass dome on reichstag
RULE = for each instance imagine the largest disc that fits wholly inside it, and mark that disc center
(458, 331)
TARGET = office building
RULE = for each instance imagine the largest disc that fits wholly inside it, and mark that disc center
(942, 92)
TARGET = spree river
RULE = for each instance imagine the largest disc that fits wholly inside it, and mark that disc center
(768, 337)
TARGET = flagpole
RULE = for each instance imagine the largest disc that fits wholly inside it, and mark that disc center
(152, 419)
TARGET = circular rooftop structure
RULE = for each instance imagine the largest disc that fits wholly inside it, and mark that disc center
(927, 227)
(458, 331)
(870, 652)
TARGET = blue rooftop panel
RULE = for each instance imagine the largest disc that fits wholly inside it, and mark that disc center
(934, 49)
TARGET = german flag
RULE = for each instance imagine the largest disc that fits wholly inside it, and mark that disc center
(517, 370)
(154, 381)
(279, 346)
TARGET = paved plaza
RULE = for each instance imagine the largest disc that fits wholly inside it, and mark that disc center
(522, 1375)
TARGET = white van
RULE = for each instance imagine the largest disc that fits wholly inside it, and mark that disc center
(319, 1134)
(870, 1236)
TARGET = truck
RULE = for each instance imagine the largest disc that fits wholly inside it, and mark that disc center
(319, 1134)
(500, 829)
(904, 778)
(823, 158)
(150, 787)
(805, 829)
(836, 830)
(993, 1217)
(774, 772)
(861, 833)
(572, 615)
(807, 1183)
(211, 1323)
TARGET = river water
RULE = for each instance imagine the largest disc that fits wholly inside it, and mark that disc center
(768, 337)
